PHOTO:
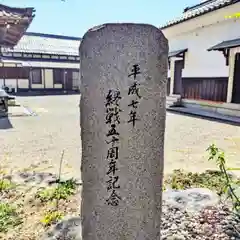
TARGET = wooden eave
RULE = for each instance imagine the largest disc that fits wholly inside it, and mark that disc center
(13, 24)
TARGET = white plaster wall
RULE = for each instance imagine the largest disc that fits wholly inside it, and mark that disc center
(198, 35)
(58, 86)
(48, 78)
(23, 83)
(8, 64)
(1, 83)
(50, 64)
(34, 85)
(11, 83)
(169, 73)
(233, 51)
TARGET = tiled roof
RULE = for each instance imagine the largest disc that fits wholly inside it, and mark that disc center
(48, 44)
(10, 13)
(226, 44)
(199, 9)
(177, 52)
(13, 24)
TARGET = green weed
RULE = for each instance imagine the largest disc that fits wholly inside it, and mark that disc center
(230, 185)
(6, 185)
(8, 217)
(62, 191)
(51, 217)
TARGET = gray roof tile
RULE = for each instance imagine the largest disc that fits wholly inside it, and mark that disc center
(199, 10)
(48, 44)
(16, 13)
(226, 44)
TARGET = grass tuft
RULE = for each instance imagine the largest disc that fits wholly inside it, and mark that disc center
(51, 217)
(214, 180)
(6, 185)
(62, 191)
(8, 217)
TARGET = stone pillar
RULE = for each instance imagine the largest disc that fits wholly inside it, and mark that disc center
(232, 56)
(172, 72)
(3, 103)
(123, 98)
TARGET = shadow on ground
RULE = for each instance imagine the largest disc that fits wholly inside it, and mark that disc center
(5, 123)
(39, 179)
(66, 229)
(205, 118)
(45, 93)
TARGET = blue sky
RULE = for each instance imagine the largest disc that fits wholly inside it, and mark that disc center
(75, 17)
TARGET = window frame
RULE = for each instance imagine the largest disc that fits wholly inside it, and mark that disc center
(40, 80)
(56, 73)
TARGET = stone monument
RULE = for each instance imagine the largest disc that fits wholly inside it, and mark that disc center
(123, 95)
(3, 103)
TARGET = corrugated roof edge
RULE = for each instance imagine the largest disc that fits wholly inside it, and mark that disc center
(196, 5)
(52, 36)
(25, 11)
(175, 22)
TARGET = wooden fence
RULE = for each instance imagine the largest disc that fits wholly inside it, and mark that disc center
(212, 89)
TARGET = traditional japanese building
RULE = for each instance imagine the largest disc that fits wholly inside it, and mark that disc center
(42, 62)
(35, 61)
(13, 24)
(204, 55)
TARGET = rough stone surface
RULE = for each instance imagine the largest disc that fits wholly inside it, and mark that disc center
(3, 103)
(191, 200)
(107, 54)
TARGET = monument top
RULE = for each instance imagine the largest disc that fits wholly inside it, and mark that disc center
(126, 29)
(120, 24)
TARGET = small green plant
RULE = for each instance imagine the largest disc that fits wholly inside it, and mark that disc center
(51, 217)
(6, 185)
(46, 194)
(8, 217)
(62, 191)
(183, 180)
(218, 156)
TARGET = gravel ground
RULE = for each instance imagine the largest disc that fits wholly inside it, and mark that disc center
(215, 223)
(39, 140)
(212, 223)
(36, 143)
(196, 213)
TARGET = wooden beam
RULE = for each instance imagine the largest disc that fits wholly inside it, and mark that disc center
(226, 55)
(3, 34)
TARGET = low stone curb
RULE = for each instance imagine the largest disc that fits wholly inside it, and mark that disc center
(205, 114)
